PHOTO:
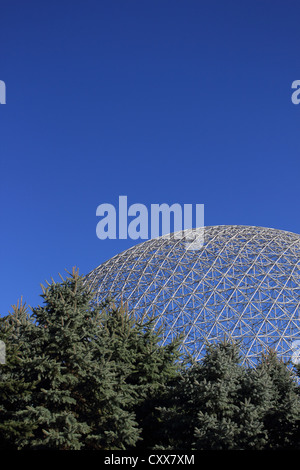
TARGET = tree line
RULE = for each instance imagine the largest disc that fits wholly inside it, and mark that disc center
(82, 376)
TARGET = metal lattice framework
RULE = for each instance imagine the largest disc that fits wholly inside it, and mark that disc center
(243, 282)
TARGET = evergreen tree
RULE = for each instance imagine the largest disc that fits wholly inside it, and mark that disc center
(146, 367)
(83, 376)
(79, 401)
(14, 390)
(228, 419)
(217, 404)
(282, 415)
(95, 372)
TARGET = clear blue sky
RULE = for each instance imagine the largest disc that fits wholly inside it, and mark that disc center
(160, 100)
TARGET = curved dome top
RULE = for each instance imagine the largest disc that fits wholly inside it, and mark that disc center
(243, 281)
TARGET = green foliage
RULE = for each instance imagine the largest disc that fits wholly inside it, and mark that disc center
(282, 417)
(80, 400)
(80, 376)
(92, 370)
(15, 390)
(142, 365)
(219, 404)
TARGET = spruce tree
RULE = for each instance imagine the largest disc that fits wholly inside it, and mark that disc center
(219, 421)
(15, 392)
(217, 404)
(79, 401)
(144, 365)
(85, 376)
(282, 415)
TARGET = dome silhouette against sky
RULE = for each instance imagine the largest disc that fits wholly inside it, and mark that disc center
(243, 282)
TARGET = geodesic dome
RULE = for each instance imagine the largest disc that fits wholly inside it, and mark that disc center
(242, 282)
